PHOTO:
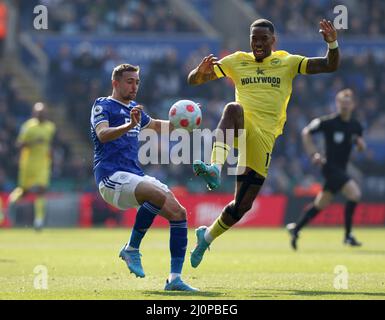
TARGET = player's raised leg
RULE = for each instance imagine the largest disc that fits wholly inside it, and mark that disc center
(231, 121)
(247, 189)
(119, 191)
(321, 201)
(352, 193)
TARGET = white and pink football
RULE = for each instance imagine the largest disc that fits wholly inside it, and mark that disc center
(185, 114)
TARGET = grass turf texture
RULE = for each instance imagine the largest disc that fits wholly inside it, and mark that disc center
(242, 264)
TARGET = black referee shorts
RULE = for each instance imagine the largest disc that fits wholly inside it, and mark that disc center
(335, 179)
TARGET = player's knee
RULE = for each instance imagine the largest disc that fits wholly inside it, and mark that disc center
(233, 110)
(244, 208)
(236, 212)
(182, 213)
(320, 205)
(175, 211)
(322, 201)
(355, 196)
(179, 214)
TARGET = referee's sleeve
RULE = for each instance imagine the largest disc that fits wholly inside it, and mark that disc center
(315, 125)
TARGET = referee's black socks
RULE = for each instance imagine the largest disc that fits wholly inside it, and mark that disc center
(306, 217)
(349, 211)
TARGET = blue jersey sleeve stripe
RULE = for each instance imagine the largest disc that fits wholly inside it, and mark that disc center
(147, 124)
(95, 124)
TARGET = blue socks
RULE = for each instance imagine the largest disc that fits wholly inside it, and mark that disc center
(178, 236)
(178, 245)
(144, 218)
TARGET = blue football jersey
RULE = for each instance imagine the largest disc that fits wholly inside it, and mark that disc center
(120, 154)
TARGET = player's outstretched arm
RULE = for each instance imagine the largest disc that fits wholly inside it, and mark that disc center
(160, 126)
(330, 62)
(106, 133)
(310, 147)
(204, 71)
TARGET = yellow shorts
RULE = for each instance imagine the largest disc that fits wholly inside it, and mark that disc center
(254, 148)
(33, 178)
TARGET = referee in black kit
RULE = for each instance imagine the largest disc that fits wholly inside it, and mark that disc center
(341, 132)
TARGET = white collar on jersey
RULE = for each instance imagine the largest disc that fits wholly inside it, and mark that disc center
(126, 105)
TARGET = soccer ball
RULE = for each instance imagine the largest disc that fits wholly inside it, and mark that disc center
(185, 114)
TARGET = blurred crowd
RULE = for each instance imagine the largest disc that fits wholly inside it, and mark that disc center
(301, 17)
(165, 82)
(109, 16)
(77, 78)
(14, 110)
(314, 96)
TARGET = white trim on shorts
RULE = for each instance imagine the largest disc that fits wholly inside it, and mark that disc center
(118, 189)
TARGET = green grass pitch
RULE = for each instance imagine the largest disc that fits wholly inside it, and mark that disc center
(242, 264)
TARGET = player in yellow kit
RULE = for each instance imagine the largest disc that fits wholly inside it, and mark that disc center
(34, 141)
(263, 84)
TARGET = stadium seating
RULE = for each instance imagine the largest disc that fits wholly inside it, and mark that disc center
(295, 17)
(77, 77)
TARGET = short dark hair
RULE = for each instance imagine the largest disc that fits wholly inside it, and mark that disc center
(263, 23)
(118, 70)
(345, 92)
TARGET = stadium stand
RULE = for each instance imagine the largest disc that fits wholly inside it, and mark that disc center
(111, 16)
(78, 76)
(298, 16)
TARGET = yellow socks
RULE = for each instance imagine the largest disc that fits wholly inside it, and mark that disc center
(39, 207)
(215, 230)
(220, 152)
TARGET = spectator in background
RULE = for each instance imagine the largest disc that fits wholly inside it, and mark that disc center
(293, 16)
(112, 16)
(310, 99)
(34, 141)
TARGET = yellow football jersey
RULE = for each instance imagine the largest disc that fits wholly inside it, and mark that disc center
(33, 131)
(263, 89)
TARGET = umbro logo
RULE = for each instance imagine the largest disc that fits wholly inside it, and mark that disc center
(275, 62)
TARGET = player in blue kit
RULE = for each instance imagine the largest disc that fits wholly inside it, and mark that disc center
(115, 125)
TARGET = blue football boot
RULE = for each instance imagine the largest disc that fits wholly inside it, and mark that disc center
(133, 261)
(202, 245)
(178, 285)
(210, 173)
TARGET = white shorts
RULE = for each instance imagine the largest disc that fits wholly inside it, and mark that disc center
(119, 189)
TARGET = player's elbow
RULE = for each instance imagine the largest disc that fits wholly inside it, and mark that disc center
(102, 137)
(305, 132)
(332, 68)
(191, 82)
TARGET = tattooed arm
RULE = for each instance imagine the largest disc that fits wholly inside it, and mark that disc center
(204, 71)
(330, 62)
